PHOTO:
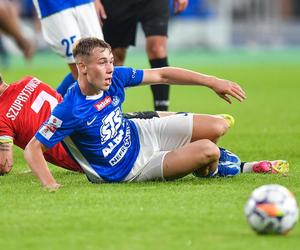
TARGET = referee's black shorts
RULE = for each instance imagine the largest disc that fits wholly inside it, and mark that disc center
(120, 27)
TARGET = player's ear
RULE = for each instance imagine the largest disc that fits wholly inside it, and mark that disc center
(81, 66)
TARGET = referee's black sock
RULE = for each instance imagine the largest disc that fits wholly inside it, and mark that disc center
(160, 92)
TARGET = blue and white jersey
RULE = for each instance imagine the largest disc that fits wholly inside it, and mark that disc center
(94, 131)
(46, 8)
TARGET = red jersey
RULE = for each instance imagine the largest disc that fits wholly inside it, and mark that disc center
(24, 106)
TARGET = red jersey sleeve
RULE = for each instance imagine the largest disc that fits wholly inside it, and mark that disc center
(25, 105)
(5, 127)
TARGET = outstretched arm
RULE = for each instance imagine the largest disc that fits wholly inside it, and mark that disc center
(179, 76)
(34, 157)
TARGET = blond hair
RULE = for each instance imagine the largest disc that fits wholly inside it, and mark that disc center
(84, 46)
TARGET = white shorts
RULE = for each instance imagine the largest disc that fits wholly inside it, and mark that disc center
(62, 29)
(157, 137)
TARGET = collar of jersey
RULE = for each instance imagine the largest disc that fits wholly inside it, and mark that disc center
(88, 97)
(94, 97)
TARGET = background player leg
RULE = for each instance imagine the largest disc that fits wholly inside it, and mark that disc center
(156, 47)
(119, 56)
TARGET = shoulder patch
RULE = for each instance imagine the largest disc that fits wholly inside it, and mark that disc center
(49, 128)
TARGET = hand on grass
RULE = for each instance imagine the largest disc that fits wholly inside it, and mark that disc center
(52, 187)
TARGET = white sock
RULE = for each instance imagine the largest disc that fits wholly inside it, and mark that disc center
(248, 167)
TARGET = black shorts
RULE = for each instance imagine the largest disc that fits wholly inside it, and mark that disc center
(120, 27)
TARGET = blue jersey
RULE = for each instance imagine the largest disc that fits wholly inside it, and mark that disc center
(46, 8)
(94, 131)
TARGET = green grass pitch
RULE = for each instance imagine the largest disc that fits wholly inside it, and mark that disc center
(186, 214)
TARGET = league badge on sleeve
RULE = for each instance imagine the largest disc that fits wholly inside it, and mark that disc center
(49, 128)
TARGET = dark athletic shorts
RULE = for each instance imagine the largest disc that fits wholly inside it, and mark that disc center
(120, 27)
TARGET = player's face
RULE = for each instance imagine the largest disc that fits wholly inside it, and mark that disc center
(99, 69)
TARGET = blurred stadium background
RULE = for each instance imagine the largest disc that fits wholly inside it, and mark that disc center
(211, 25)
(253, 42)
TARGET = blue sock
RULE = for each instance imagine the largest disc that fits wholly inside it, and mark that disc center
(65, 84)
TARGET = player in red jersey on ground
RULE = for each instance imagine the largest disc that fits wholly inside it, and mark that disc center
(24, 106)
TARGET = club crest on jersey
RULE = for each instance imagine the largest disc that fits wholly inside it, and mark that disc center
(115, 101)
(49, 128)
(103, 103)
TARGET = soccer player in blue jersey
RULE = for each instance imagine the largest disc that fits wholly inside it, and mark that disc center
(63, 22)
(110, 148)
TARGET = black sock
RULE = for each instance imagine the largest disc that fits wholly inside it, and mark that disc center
(160, 92)
(242, 166)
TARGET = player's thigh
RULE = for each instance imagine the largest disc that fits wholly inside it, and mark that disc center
(156, 136)
(119, 28)
(88, 21)
(187, 159)
(153, 170)
(167, 165)
(60, 32)
(208, 127)
(173, 131)
(164, 134)
(154, 17)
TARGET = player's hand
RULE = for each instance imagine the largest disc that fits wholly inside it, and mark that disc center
(27, 47)
(226, 88)
(53, 187)
(100, 10)
(180, 5)
(6, 158)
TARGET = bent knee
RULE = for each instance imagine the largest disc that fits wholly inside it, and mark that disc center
(220, 127)
(209, 150)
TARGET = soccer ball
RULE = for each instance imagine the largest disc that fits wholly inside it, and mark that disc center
(271, 209)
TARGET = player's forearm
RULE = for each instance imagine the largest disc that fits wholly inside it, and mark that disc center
(6, 154)
(34, 157)
(179, 76)
(171, 75)
(9, 20)
(187, 77)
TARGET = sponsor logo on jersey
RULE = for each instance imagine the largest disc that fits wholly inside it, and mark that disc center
(103, 103)
(123, 149)
(49, 128)
(111, 125)
(115, 101)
